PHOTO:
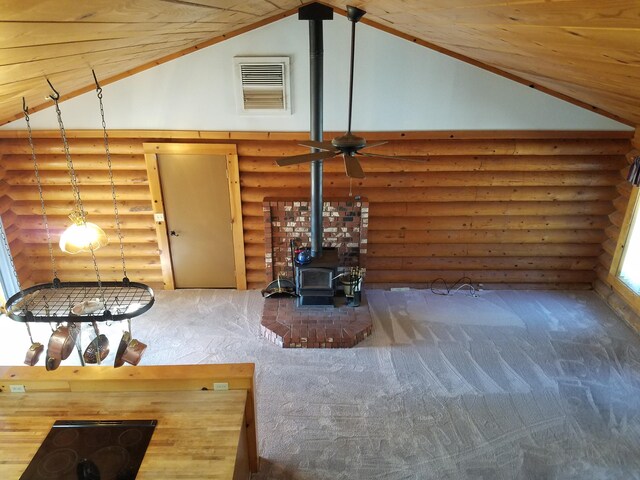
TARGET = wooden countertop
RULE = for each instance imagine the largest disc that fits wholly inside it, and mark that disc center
(196, 437)
(201, 432)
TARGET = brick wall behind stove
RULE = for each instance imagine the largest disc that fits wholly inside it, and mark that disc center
(345, 225)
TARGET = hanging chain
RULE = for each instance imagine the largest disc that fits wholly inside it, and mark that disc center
(5, 243)
(72, 173)
(25, 109)
(25, 305)
(74, 186)
(113, 186)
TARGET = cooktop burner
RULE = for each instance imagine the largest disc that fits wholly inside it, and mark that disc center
(91, 450)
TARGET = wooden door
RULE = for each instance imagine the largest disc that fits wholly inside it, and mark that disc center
(195, 191)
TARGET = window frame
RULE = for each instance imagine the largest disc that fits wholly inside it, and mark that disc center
(628, 294)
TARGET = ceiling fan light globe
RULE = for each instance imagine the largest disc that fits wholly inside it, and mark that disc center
(82, 238)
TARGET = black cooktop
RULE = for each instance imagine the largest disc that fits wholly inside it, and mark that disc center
(88, 449)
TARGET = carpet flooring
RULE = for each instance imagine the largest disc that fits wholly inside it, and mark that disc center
(506, 385)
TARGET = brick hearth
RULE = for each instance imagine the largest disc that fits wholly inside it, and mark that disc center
(345, 226)
(290, 326)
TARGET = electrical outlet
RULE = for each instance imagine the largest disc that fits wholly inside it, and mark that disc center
(399, 289)
(17, 388)
(221, 386)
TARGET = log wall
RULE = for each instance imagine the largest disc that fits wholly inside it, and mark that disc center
(602, 284)
(507, 209)
(21, 210)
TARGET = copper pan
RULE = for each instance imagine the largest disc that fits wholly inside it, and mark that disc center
(33, 354)
(61, 344)
(35, 350)
(97, 350)
(133, 353)
(130, 350)
(124, 342)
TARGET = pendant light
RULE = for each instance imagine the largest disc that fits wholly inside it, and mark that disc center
(80, 236)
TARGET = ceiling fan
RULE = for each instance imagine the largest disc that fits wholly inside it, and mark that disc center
(349, 146)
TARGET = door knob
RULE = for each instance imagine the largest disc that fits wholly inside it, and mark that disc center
(174, 234)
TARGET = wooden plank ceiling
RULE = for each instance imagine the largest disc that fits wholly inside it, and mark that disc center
(586, 50)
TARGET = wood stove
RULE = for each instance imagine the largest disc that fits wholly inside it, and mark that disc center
(315, 281)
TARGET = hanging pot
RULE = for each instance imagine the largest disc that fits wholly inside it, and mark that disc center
(33, 354)
(61, 343)
(35, 350)
(98, 344)
(98, 349)
(133, 353)
(124, 342)
(130, 350)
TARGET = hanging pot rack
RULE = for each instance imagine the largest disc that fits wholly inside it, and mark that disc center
(79, 302)
(55, 302)
(66, 301)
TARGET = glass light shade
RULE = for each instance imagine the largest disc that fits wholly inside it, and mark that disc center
(82, 237)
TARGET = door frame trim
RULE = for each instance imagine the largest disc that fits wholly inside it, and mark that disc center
(151, 152)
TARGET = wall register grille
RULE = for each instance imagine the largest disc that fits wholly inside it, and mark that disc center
(263, 85)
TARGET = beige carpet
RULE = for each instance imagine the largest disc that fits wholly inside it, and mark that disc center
(508, 385)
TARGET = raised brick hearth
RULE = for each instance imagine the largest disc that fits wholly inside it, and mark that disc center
(290, 326)
(345, 225)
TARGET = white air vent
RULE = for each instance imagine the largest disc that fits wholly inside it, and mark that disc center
(262, 85)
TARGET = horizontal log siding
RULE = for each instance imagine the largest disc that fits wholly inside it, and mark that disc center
(521, 212)
(19, 186)
(507, 209)
(601, 284)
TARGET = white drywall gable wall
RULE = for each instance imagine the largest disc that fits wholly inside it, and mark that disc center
(398, 86)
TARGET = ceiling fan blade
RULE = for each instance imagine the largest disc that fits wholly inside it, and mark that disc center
(354, 14)
(352, 166)
(404, 159)
(321, 145)
(306, 157)
(371, 145)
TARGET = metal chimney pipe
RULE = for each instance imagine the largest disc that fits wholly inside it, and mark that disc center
(315, 13)
(316, 72)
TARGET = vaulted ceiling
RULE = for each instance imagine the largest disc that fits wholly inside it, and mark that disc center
(585, 51)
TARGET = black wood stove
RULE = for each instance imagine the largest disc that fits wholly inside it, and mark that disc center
(315, 281)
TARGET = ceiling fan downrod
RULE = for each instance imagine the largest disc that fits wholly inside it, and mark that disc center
(348, 146)
(354, 14)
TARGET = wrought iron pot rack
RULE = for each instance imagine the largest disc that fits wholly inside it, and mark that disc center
(69, 305)
(54, 302)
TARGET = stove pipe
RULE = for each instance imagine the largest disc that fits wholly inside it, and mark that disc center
(315, 13)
